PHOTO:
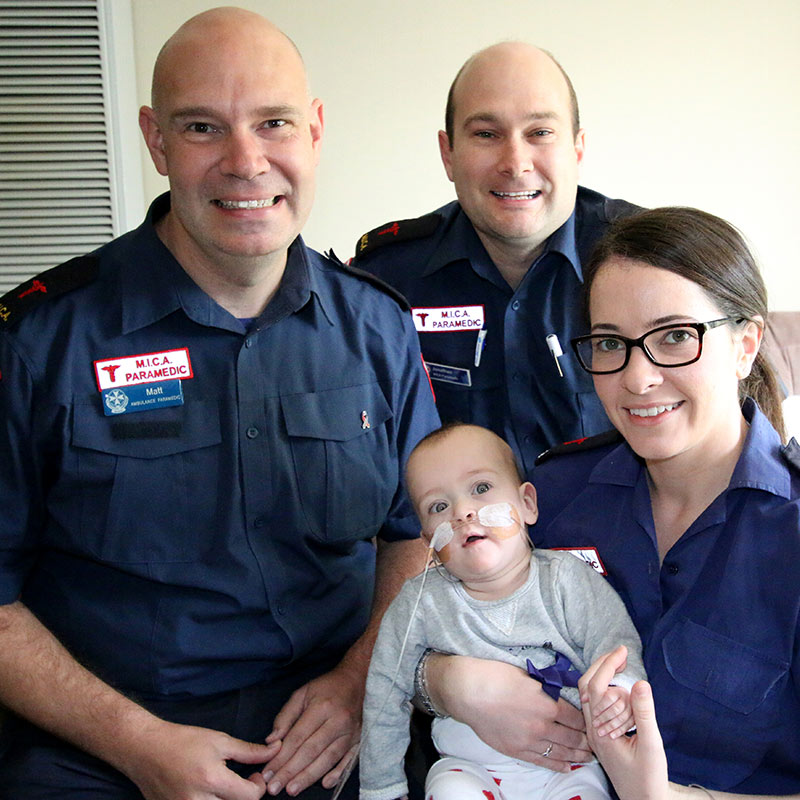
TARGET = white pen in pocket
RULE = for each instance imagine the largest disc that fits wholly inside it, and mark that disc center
(479, 344)
(555, 348)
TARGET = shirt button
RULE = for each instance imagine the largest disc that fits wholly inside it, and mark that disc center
(515, 305)
(518, 377)
(673, 569)
(251, 432)
(248, 342)
(259, 522)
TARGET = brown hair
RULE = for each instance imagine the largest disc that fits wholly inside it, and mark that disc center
(713, 254)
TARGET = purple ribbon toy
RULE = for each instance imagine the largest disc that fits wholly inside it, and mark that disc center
(556, 676)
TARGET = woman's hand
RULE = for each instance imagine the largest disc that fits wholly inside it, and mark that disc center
(636, 765)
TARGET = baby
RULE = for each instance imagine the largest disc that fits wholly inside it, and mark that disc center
(493, 597)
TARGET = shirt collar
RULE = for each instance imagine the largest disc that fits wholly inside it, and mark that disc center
(154, 285)
(759, 465)
(621, 467)
(563, 241)
(461, 242)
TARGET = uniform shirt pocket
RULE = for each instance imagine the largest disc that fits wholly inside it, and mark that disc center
(345, 461)
(731, 714)
(140, 477)
(724, 670)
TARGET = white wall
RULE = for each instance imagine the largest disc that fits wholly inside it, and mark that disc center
(683, 102)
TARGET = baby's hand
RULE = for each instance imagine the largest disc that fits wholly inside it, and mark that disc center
(612, 715)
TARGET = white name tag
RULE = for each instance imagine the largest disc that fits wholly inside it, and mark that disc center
(587, 554)
(112, 373)
(445, 319)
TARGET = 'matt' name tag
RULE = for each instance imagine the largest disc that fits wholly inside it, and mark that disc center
(446, 319)
(143, 382)
(142, 397)
(587, 554)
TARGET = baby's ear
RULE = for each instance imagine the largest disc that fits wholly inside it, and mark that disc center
(527, 496)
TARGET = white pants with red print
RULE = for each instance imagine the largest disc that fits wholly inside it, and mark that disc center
(476, 771)
(455, 779)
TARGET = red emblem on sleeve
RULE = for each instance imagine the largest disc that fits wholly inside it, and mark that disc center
(393, 229)
(36, 286)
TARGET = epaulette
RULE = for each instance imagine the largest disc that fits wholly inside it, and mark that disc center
(402, 230)
(72, 274)
(374, 280)
(578, 445)
(791, 453)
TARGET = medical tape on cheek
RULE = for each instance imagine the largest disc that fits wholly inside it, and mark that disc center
(442, 536)
(496, 515)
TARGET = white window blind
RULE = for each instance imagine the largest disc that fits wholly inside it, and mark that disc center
(66, 186)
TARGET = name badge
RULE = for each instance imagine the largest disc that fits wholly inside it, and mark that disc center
(141, 397)
(113, 373)
(446, 319)
(142, 382)
(441, 372)
(587, 554)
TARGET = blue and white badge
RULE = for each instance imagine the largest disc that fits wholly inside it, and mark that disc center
(441, 372)
(141, 397)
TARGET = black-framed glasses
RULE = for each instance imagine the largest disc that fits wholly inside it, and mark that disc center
(665, 346)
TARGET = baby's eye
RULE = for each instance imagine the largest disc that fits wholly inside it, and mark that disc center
(482, 487)
(437, 507)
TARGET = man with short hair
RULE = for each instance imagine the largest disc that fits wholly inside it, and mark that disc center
(203, 436)
(492, 277)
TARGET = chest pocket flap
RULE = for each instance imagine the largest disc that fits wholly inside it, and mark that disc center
(345, 460)
(148, 434)
(337, 414)
(724, 670)
(139, 475)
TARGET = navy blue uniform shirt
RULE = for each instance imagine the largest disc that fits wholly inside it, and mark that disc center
(719, 619)
(198, 548)
(515, 390)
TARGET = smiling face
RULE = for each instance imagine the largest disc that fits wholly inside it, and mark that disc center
(451, 479)
(234, 129)
(666, 413)
(514, 156)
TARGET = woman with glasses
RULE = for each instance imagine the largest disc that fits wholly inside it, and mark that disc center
(692, 510)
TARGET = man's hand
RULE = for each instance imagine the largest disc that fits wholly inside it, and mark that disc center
(508, 710)
(171, 761)
(316, 733)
